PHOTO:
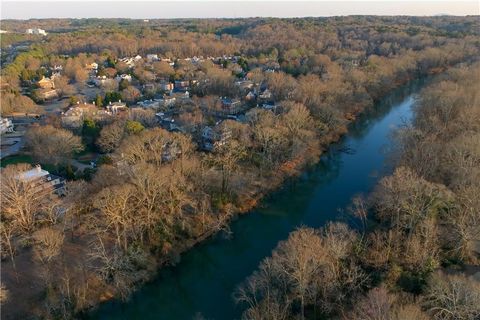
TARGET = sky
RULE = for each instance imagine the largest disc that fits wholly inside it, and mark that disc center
(15, 9)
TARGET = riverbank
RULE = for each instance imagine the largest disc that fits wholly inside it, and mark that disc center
(208, 238)
(206, 276)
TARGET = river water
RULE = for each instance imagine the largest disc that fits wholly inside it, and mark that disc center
(204, 280)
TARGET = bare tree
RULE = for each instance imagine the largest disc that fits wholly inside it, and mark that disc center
(300, 259)
(115, 203)
(226, 158)
(63, 87)
(49, 243)
(51, 145)
(265, 294)
(21, 205)
(453, 297)
(111, 136)
(131, 94)
(376, 305)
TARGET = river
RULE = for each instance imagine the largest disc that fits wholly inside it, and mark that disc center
(204, 280)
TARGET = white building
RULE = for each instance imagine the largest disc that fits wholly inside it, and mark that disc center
(152, 57)
(117, 107)
(123, 77)
(6, 125)
(73, 118)
(36, 31)
(43, 180)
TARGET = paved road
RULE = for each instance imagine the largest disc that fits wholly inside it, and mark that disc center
(14, 148)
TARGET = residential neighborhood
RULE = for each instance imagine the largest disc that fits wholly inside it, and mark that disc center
(162, 166)
(105, 94)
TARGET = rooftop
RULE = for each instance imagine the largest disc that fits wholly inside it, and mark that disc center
(34, 173)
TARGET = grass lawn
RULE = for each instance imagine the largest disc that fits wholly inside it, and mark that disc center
(16, 159)
(86, 155)
(23, 158)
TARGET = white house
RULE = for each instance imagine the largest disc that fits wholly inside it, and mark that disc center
(152, 57)
(44, 181)
(36, 31)
(74, 116)
(57, 67)
(102, 80)
(123, 77)
(6, 125)
(117, 107)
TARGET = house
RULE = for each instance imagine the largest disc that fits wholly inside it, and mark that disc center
(81, 109)
(169, 61)
(43, 181)
(117, 107)
(244, 84)
(6, 125)
(269, 106)
(46, 83)
(123, 77)
(130, 61)
(57, 68)
(182, 85)
(265, 95)
(215, 137)
(47, 94)
(150, 104)
(152, 57)
(168, 123)
(197, 60)
(36, 31)
(180, 95)
(168, 101)
(102, 81)
(166, 86)
(230, 105)
(250, 96)
(73, 118)
(92, 66)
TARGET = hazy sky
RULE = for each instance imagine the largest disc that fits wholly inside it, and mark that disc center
(14, 9)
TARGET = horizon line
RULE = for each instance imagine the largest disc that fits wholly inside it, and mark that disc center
(439, 15)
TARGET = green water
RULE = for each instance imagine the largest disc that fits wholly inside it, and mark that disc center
(204, 280)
